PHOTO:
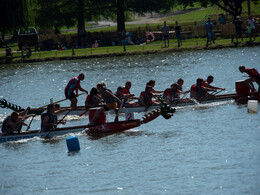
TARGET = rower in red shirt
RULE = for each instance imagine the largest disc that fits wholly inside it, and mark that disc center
(254, 77)
(199, 92)
(210, 80)
(74, 85)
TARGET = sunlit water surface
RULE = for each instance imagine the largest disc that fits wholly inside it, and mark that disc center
(207, 149)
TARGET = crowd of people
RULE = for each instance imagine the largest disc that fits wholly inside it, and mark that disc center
(103, 99)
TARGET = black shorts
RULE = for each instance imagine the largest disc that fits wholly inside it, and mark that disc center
(70, 96)
(166, 37)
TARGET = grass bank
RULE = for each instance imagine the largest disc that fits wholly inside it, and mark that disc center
(152, 47)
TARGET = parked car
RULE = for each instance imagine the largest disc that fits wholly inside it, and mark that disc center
(28, 36)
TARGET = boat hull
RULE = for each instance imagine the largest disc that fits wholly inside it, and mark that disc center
(81, 109)
(93, 129)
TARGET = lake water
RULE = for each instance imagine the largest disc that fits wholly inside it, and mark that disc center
(209, 149)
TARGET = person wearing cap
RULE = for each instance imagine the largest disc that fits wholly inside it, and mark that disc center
(74, 85)
(254, 77)
(238, 25)
(209, 29)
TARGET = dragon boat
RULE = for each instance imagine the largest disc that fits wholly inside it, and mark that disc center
(81, 110)
(241, 96)
(100, 127)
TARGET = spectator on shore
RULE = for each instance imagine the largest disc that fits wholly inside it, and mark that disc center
(178, 33)
(210, 34)
(8, 52)
(238, 25)
(222, 19)
(83, 37)
(27, 50)
(251, 22)
(95, 45)
(165, 31)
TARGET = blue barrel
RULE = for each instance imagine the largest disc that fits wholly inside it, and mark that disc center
(73, 143)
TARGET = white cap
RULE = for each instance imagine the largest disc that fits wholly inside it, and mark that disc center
(237, 17)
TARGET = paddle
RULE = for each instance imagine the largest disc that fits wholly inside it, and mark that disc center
(59, 101)
(84, 112)
(216, 92)
(117, 114)
(53, 128)
(30, 123)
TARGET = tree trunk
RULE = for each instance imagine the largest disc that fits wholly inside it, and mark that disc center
(80, 16)
(120, 16)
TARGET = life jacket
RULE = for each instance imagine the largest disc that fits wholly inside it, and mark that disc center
(5, 128)
(73, 85)
(52, 119)
(92, 100)
(125, 91)
(252, 72)
(107, 99)
(197, 92)
(147, 98)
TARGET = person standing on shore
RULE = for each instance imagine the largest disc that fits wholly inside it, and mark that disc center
(178, 33)
(209, 29)
(74, 85)
(165, 31)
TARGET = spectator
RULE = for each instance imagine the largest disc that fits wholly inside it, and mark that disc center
(165, 31)
(27, 50)
(178, 33)
(8, 52)
(251, 22)
(83, 37)
(95, 45)
(222, 19)
(238, 25)
(210, 34)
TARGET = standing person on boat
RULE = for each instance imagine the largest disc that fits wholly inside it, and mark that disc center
(254, 77)
(165, 31)
(145, 98)
(199, 92)
(14, 122)
(74, 85)
(109, 98)
(49, 119)
(210, 80)
(93, 99)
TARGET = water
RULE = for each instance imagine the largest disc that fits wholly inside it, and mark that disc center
(209, 149)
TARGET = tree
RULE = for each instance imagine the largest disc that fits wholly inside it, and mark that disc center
(14, 14)
(122, 7)
(233, 7)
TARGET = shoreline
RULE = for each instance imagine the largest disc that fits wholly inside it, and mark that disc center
(126, 53)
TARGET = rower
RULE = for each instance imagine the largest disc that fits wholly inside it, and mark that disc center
(254, 77)
(151, 83)
(93, 99)
(180, 83)
(49, 119)
(199, 92)
(74, 85)
(172, 95)
(14, 122)
(109, 98)
(145, 98)
(210, 80)
(128, 96)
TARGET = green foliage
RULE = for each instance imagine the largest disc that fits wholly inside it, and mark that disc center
(14, 15)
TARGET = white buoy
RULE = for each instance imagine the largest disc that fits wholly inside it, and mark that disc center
(252, 106)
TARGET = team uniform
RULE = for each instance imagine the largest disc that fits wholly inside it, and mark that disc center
(73, 85)
(147, 98)
(197, 92)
